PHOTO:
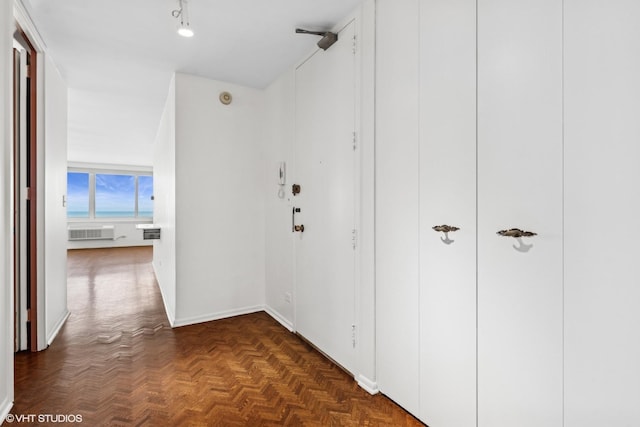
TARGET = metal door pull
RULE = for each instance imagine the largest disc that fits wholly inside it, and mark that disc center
(445, 228)
(516, 233)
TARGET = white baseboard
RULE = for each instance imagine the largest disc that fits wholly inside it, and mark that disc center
(52, 336)
(170, 315)
(369, 386)
(216, 316)
(5, 409)
(279, 318)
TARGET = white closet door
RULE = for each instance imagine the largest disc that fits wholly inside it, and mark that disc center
(397, 219)
(520, 185)
(602, 213)
(448, 196)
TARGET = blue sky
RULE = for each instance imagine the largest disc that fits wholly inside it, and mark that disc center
(115, 193)
(77, 192)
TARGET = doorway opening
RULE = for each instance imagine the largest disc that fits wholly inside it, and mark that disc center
(25, 207)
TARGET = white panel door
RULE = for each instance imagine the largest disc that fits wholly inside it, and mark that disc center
(397, 201)
(602, 213)
(520, 185)
(448, 196)
(325, 169)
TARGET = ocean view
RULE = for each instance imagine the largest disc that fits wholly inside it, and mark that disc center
(101, 195)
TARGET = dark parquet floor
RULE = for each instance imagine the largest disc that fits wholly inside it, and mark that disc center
(117, 362)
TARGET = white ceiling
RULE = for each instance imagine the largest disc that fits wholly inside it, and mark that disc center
(117, 57)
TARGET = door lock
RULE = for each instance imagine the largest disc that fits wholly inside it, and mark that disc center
(295, 189)
(294, 227)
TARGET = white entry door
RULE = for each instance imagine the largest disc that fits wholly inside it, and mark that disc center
(325, 170)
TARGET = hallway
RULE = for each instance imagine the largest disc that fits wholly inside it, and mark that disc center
(117, 362)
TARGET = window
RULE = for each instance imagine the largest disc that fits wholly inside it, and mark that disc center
(97, 194)
(145, 196)
(78, 195)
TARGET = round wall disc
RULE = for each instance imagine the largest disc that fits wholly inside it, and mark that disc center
(225, 98)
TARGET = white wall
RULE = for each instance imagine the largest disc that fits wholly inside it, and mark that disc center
(279, 136)
(55, 187)
(6, 280)
(220, 231)
(164, 209)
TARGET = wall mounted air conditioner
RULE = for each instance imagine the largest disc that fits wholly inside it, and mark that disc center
(98, 232)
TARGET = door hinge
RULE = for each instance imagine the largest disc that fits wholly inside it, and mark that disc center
(29, 315)
(354, 238)
(27, 193)
(354, 45)
(355, 140)
(353, 335)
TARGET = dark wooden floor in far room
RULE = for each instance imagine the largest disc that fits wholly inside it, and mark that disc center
(117, 362)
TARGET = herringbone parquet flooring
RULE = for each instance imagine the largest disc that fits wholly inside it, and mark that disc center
(117, 362)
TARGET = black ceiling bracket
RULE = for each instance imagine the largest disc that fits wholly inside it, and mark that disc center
(328, 38)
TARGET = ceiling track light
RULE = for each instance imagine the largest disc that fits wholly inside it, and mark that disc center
(327, 40)
(182, 13)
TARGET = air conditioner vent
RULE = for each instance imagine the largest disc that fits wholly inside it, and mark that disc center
(100, 232)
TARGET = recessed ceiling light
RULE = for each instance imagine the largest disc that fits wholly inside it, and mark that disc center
(185, 30)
